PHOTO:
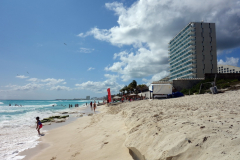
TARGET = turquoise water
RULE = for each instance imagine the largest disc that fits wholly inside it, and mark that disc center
(18, 122)
(22, 107)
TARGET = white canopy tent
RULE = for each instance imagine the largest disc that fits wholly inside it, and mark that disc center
(162, 90)
(116, 97)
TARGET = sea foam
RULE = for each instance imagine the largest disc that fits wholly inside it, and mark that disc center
(18, 124)
(19, 133)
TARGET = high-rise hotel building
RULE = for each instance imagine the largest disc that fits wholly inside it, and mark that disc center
(192, 52)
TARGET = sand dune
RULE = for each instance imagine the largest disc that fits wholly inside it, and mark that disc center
(199, 127)
(88, 138)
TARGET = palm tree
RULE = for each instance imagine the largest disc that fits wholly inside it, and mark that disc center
(131, 89)
(121, 90)
(133, 85)
(125, 88)
(142, 86)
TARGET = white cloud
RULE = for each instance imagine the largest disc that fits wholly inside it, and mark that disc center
(138, 65)
(156, 77)
(82, 35)
(111, 77)
(102, 86)
(229, 61)
(226, 51)
(90, 68)
(36, 83)
(21, 76)
(86, 50)
(59, 88)
(27, 87)
(52, 81)
(148, 25)
(229, 51)
(33, 80)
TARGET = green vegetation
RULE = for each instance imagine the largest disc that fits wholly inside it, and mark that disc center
(133, 88)
(206, 84)
(50, 119)
(65, 116)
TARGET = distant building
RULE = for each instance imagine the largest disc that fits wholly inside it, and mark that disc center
(165, 78)
(87, 97)
(228, 69)
(192, 52)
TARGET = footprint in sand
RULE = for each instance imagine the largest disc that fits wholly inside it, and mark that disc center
(75, 154)
(53, 158)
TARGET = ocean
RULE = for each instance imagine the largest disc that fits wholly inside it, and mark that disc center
(18, 122)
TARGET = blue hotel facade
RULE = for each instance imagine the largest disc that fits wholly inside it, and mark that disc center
(192, 52)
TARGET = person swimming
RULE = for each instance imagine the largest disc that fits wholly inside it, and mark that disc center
(39, 125)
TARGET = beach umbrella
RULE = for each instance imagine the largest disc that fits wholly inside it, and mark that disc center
(132, 94)
(116, 97)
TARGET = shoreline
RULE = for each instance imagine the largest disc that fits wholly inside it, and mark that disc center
(85, 136)
(73, 116)
(191, 127)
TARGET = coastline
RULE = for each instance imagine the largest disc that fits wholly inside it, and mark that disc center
(89, 137)
(17, 122)
(191, 127)
(73, 116)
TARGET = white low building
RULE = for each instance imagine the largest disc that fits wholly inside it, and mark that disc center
(228, 69)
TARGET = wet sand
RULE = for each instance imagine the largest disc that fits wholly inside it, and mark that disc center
(46, 128)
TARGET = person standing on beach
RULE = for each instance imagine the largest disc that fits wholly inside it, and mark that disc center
(39, 125)
(94, 106)
(86, 104)
(91, 105)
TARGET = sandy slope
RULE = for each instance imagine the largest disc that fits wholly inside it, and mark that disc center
(199, 127)
(195, 127)
(88, 138)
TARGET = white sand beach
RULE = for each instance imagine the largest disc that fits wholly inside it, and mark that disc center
(199, 127)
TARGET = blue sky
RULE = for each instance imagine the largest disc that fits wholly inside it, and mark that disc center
(71, 49)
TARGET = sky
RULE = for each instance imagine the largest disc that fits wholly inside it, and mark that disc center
(72, 49)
